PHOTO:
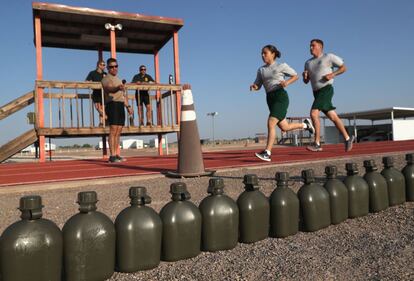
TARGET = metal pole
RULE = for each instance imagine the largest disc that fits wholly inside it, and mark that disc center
(392, 124)
(214, 141)
(355, 129)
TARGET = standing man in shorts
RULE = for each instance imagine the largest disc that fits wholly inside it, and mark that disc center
(142, 97)
(96, 76)
(319, 70)
(115, 103)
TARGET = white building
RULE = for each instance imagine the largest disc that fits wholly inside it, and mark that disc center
(395, 123)
(132, 143)
(32, 149)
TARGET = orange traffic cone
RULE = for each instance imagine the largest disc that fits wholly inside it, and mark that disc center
(190, 157)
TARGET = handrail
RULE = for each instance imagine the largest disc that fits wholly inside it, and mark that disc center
(97, 85)
(16, 105)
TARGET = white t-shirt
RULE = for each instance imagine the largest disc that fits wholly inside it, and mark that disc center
(319, 67)
(270, 76)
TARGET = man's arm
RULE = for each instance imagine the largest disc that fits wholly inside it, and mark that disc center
(339, 71)
(127, 106)
(286, 83)
(305, 74)
(111, 88)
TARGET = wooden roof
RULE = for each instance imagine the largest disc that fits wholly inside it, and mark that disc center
(84, 28)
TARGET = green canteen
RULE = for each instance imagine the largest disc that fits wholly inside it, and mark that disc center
(315, 212)
(338, 195)
(395, 182)
(31, 249)
(88, 242)
(284, 208)
(408, 172)
(254, 212)
(378, 189)
(358, 192)
(181, 226)
(138, 234)
(220, 219)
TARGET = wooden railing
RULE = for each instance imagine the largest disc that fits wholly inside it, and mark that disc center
(16, 105)
(69, 105)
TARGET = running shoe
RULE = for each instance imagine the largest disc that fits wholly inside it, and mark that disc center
(113, 159)
(121, 159)
(314, 147)
(310, 127)
(263, 156)
(348, 143)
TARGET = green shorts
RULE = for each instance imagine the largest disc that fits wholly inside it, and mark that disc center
(278, 103)
(323, 99)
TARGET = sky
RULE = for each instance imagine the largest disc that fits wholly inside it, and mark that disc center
(220, 47)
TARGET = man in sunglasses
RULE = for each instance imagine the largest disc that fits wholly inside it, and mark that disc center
(96, 76)
(115, 102)
(142, 97)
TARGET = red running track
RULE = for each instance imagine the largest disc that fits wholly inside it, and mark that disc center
(30, 173)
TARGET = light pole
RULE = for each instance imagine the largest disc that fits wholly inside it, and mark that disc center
(111, 29)
(213, 114)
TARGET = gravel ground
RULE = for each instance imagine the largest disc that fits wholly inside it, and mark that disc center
(375, 247)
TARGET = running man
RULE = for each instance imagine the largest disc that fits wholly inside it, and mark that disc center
(272, 77)
(319, 70)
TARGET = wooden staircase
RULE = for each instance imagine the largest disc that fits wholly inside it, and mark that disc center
(24, 140)
(17, 144)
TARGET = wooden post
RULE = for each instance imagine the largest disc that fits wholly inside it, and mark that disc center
(158, 94)
(100, 54)
(113, 43)
(104, 148)
(39, 76)
(177, 75)
(113, 55)
(177, 80)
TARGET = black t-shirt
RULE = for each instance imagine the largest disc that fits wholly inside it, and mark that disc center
(95, 76)
(146, 79)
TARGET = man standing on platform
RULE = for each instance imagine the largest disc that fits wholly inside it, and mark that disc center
(142, 96)
(115, 101)
(319, 70)
(96, 76)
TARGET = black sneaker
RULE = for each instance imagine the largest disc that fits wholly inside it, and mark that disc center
(348, 143)
(113, 159)
(263, 156)
(310, 127)
(314, 147)
(121, 159)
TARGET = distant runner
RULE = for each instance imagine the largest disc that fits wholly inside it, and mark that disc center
(319, 71)
(272, 77)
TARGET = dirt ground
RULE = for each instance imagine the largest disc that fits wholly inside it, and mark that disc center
(378, 246)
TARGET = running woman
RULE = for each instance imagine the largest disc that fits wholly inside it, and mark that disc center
(272, 76)
(319, 70)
